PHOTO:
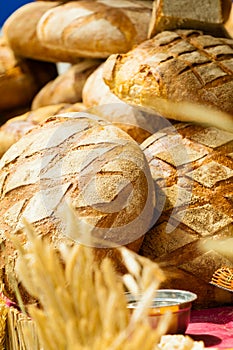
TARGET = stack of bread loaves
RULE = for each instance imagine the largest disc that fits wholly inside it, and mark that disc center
(191, 164)
(138, 68)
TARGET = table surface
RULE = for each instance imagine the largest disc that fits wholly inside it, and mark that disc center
(213, 326)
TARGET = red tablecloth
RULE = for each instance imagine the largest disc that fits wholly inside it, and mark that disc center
(213, 326)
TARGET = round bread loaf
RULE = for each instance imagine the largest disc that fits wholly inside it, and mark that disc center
(95, 28)
(80, 159)
(192, 167)
(178, 66)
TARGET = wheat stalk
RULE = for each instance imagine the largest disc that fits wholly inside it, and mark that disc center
(82, 303)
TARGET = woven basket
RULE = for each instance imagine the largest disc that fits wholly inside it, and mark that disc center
(223, 277)
(21, 332)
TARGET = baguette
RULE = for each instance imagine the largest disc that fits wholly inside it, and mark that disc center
(77, 158)
(192, 167)
(21, 79)
(20, 29)
(95, 28)
(181, 66)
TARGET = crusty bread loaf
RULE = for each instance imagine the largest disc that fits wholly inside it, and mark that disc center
(16, 127)
(20, 29)
(192, 167)
(21, 79)
(179, 66)
(82, 159)
(68, 86)
(95, 28)
(209, 16)
(100, 101)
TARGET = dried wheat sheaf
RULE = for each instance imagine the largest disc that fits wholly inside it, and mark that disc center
(82, 303)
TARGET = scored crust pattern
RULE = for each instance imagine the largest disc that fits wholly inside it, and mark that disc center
(181, 65)
(196, 204)
(79, 159)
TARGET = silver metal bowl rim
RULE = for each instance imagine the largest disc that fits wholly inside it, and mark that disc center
(190, 295)
(180, 296)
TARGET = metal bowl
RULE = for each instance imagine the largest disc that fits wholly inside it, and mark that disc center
(177, 302)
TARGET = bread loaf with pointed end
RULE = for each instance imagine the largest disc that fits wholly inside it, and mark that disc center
(80, 160)
(192, 167)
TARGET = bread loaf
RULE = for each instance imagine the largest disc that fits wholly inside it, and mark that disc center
(67, 87)
(209, 16)
(100, 101)
(179, 66)
(77, 158)
(20, 29)
(16, 127)
(21, 79)
(95, 28)
(192, 167)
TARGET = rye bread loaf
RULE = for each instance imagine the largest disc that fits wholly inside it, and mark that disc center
(20, 29)
(16, 127)
(100, 101)
(209, 16)
(178, 66)
(20, 79)
(192, 167)
(68, 86)
(82, 159)
(95, 28)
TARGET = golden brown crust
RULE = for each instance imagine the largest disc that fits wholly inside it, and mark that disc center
(193, 167)
(178, 66)
(95, 28)
(67, 87)
(20, 30)
(21, 79)
(16, 127)
(100, 101)
(82, 159)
